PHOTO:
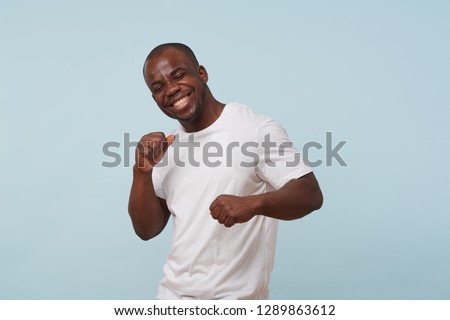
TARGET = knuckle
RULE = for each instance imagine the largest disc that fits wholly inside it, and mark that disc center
(158, 136)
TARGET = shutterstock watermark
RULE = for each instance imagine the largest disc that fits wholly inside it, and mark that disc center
(250, 153)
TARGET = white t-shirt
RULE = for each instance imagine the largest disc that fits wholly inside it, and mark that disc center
(206, 259)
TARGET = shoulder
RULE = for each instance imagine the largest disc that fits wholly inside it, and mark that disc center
(243, 113)
(257, 126)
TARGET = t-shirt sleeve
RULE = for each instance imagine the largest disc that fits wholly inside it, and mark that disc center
(279, 160)
(157, 183)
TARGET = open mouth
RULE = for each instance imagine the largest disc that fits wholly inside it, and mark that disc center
(181, 103)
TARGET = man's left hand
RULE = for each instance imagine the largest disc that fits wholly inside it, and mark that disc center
(229, 210)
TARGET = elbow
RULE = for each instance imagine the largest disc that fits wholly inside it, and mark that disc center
(145, 228)
(145, 235)
(317, 200)
(313, 197)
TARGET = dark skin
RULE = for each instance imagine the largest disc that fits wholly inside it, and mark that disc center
(179, 88)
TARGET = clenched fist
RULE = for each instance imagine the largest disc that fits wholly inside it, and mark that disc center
(229, 210)
(151, 149)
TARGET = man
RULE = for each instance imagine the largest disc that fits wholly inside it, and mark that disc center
(224, 211)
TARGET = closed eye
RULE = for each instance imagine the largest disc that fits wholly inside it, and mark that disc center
(157, 88)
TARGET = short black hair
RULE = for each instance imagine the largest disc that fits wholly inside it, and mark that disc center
(175, 45)
(179, 46)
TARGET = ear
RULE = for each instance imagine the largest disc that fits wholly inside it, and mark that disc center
(203, 74)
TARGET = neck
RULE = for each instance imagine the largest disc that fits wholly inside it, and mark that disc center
(209, 113)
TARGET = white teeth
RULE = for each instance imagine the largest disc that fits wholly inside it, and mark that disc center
(181, 101)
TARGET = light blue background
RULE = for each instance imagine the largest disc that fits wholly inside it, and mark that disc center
(375, 73)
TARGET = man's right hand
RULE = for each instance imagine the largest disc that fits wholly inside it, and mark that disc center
(151, 149)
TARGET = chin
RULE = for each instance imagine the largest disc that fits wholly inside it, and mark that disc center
(188, 116)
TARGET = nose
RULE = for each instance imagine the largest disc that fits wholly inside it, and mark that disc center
(171, 89)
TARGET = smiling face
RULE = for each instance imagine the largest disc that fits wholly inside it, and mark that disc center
(178, 86)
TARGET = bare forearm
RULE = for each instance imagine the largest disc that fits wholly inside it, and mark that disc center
(146, 212)
(294, 200)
